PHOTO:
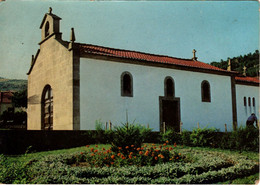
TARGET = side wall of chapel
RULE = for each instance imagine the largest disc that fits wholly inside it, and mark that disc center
(100, 95)
(245, 110)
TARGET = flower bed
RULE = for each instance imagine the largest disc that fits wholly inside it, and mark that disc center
(206, 167)
(148, 155)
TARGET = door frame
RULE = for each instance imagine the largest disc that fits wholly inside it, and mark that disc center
(174, 99)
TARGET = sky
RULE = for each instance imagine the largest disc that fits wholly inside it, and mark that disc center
(216, 29)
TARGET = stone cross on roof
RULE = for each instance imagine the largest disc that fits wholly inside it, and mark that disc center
(194, 54)
(244, 71)
(50, 10)
(229, 65)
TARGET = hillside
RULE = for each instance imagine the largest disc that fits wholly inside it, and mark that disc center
(12, 84)
(251, 61)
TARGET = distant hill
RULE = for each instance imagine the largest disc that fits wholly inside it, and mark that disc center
(251, 61)
(12, 84)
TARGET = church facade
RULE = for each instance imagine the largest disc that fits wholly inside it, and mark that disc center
(72, 85)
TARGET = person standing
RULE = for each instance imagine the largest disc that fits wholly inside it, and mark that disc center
(250, 120)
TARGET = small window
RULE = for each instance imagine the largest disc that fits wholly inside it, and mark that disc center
(126, 84)
(253, 102)
(244, 101)
(47, 29)
(169, 87)
(205, 91)
(249, 101)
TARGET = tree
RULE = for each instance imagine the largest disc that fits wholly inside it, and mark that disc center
(20, 98)
(251, 61)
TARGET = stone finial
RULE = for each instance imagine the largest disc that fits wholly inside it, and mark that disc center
(244, 71)
(72, 35)
(72, 39)
(229, 65)
(194, 55)
(50, 10)
(32, 60)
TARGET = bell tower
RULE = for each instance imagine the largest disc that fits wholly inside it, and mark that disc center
(50, 26)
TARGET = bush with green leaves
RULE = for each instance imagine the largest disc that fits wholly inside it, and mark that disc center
(244, 138)
(127, 135)
(185, 138)
(14, 172)
(203, 136)
(171, 136)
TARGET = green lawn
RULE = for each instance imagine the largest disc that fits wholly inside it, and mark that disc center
(43, 158)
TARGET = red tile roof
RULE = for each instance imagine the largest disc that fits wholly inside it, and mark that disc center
(6, 97)
(247, 79)
(146, 57)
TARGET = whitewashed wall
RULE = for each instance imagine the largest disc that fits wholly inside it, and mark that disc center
(243, 112)
(100, 95)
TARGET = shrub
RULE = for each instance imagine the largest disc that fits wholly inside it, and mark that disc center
(185, 138)
(171, 136)
(16, 173)
(127, 135)
(244, 138)
(203, 137)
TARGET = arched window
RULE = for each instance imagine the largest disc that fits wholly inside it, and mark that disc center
(47, 108)
(126, 84)
(253, 102)
(205, 91)
(244, 101)
(169, 87)
(47, 29)
(249, 101)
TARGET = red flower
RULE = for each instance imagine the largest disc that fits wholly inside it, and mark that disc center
(91, 149)
(140, 152)
(167, 141)
(146, 153)
(96, 146)
(164, 144)
(95, 151)
(132, 146)
(130, 157)
(112, 156)
(155, 158)
(87, 146)
(175, 145)
(127, 147)
(119, 148)
(122, 157)
(81, 153)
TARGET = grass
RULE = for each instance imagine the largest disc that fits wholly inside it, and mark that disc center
(39, 155)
